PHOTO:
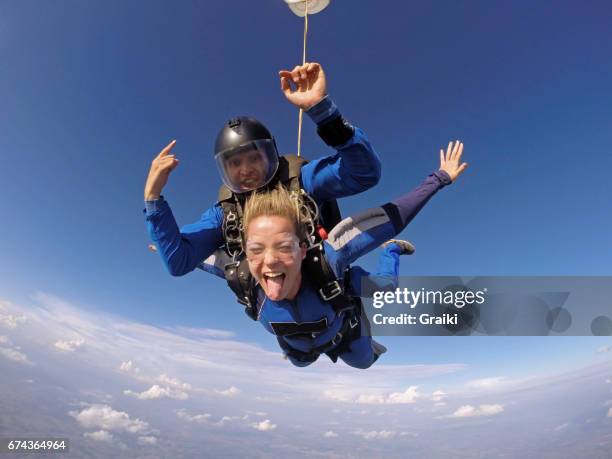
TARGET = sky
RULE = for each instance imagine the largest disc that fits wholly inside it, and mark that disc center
(91, 91)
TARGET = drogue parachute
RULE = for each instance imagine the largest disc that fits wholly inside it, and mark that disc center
(304, 7)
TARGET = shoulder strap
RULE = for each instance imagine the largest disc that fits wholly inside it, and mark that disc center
(241, 282)
(329, 288)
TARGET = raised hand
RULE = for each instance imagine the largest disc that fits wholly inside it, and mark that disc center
(162, 165)
(305, 85)
(451, 161)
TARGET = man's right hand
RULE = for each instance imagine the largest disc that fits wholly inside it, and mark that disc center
(162, 165)
(310, 85)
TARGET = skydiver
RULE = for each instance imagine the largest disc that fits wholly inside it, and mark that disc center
(291, 305)
(248, 160)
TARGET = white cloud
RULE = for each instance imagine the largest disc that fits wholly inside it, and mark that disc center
(147, 440)
(485, 383)
(173, 382)
(608, 381)
(15, 355)
(378, 435)
(100, 435)
(225, 419)
(330, 434)
(11, 321)
(206, 332)
(607, 403)
(206, 418)
(467, 411)
(69, 346)
(337, 396)
(182, 414)
(128, 367)
(561, 427)
(410, 395)
(229, 392)
(156, 391)
(603, 349)
(104, 417)
(264, 426)
(610, 413)
(4, 339)
(438, 396)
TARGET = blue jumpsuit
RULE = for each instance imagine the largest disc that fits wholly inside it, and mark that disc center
(350, 239)
(354, 168)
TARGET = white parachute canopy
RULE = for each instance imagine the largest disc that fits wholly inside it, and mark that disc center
(314, 6)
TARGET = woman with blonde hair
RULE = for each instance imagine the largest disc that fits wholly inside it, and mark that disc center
(290, 305)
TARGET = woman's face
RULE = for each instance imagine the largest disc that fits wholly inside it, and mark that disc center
(275, 256)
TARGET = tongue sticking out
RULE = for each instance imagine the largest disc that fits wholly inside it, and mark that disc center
(275, 285)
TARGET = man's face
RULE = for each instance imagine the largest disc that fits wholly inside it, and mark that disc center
(247, 170)
(275, 256)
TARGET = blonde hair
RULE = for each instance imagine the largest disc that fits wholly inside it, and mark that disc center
(274, 203)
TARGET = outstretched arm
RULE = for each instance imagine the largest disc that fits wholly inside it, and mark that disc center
(360, 234)
(355, 167)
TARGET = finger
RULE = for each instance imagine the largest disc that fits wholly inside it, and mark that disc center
(285, 86)
(167, 149)
(459, 152)
(449, 149)
(441, 157)
(174, 164)
(455, 150)
(166, 162)
(461, 169)
(313, 74)
(295, 75)
(311, 67)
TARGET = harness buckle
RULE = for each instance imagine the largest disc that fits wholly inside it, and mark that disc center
(336, 340)
(331, 290)
(353, 322)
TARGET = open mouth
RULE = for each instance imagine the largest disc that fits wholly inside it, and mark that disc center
(274, 284)
(250, 181)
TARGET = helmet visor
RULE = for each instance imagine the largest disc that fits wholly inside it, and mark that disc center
(249, 166)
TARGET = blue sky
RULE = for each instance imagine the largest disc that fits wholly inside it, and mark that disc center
(91, 91)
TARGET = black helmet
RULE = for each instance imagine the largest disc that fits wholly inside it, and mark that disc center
(246, 154)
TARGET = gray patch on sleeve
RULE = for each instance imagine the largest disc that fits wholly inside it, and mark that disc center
(351, 227)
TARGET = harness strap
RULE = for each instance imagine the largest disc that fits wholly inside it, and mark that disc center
(241, 282)
(339, 344)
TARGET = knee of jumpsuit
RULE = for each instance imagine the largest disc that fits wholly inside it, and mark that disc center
(300, 363)
(362, 353)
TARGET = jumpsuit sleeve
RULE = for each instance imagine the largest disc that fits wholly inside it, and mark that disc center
(183, 250)
(355, 167)
(359, 234)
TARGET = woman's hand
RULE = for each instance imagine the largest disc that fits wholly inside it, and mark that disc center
(451, 161)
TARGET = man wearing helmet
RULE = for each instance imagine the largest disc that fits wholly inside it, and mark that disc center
(247, 158)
